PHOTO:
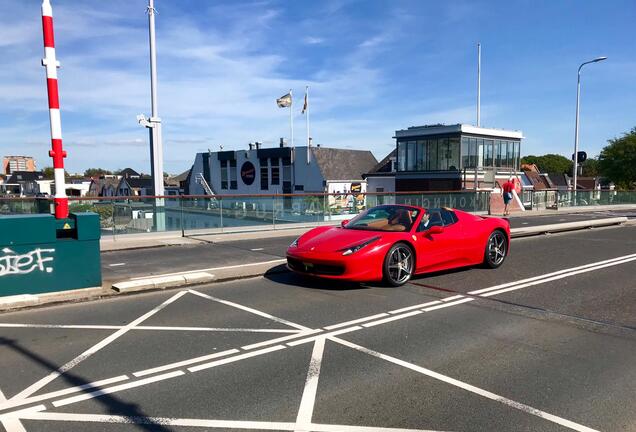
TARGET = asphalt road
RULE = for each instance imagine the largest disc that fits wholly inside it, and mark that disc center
(545, 343)
(121, 265)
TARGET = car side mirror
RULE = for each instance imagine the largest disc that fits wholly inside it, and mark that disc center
(344, 223)
(435, 229)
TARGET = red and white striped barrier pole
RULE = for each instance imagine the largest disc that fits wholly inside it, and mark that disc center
(56, 152)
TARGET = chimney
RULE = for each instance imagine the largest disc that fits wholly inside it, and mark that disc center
(257, 145)
(282, 142)
(251, 146)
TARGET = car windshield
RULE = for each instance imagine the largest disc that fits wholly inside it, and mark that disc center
(385, 218)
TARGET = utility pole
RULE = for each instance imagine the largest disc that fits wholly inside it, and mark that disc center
(576, 124)
(479, 85)
(154, 126)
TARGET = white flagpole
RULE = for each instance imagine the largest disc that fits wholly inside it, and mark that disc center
(291, 118)
(307, 120)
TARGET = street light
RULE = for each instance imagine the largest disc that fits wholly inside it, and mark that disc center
(576, 127)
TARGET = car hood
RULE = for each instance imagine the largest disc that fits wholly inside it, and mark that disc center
(334, 239)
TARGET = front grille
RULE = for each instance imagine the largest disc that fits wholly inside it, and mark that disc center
(315, 268)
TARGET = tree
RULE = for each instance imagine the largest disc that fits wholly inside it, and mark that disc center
(590, 168)
(96, 172)
(617, 161)
(550, 163)
(49, 173)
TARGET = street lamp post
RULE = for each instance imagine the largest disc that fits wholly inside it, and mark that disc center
(576, 127)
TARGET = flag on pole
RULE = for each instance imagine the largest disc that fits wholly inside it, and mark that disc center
(284, 101)
(306, 103)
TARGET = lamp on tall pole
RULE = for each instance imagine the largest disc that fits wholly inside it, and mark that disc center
(154, 126)
(576, 127)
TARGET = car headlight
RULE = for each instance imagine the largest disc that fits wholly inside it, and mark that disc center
(353, 249)
(294, 243)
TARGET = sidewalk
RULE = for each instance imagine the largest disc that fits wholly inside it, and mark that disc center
(167, 260)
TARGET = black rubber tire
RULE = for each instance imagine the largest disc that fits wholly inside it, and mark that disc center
(495, 258)
(388, 279)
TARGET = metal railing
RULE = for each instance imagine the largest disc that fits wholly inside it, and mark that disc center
(202, 214)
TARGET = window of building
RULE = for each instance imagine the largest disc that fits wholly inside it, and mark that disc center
(223, 174)
(401, 155)
(488, 153)
(233, 175)
(275, 171)
(432, 155)
(264, 174)
(299, 188)
(422, 155)
(453, 154)
(411, 163)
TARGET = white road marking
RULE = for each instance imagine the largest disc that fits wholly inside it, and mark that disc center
(19, 414)
(248, 309)
(92, 350)
(257, 249)
(393, 318)
(280, 339)
(468, 387)
(204, 423)
(333, 333)
(11, 424)
(553, 278)
(55, 394)
(235, 358)
(451, 298)
(355, 321)
(184, 363)
(547, 275)
(158, 328)
(113, 389)
(116, 265)
(417, 306)
(306, 409)
(445, 305)
(276, 261)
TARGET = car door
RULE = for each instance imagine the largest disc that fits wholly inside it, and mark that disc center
(437, 251)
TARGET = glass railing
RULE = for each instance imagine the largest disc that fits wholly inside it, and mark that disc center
(194, 215)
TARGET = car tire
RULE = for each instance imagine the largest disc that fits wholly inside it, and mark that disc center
(399, 264)
(496, 249)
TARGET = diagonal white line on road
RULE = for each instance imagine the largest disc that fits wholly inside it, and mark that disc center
(11, 424)
(280, 339)
(92, 350)
(58, 393)
(15, 403)
(236, 358)
(445, 305)
(561, 276)
(249, 309)
(306, 409)
(184, 363)
(468, 387)
(548, 275)
(205, 423)
(113, 389)
(156, 328)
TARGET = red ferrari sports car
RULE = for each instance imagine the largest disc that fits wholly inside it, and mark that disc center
(394, 242)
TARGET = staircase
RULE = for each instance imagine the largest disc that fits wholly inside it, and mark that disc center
(206, 187)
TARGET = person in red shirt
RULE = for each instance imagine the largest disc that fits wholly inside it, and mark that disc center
(507, 189)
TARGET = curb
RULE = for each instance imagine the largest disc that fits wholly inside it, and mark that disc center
(220, 274)
(568, 226)
(162, 282)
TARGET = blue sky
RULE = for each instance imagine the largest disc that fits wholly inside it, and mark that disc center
(372, 67)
